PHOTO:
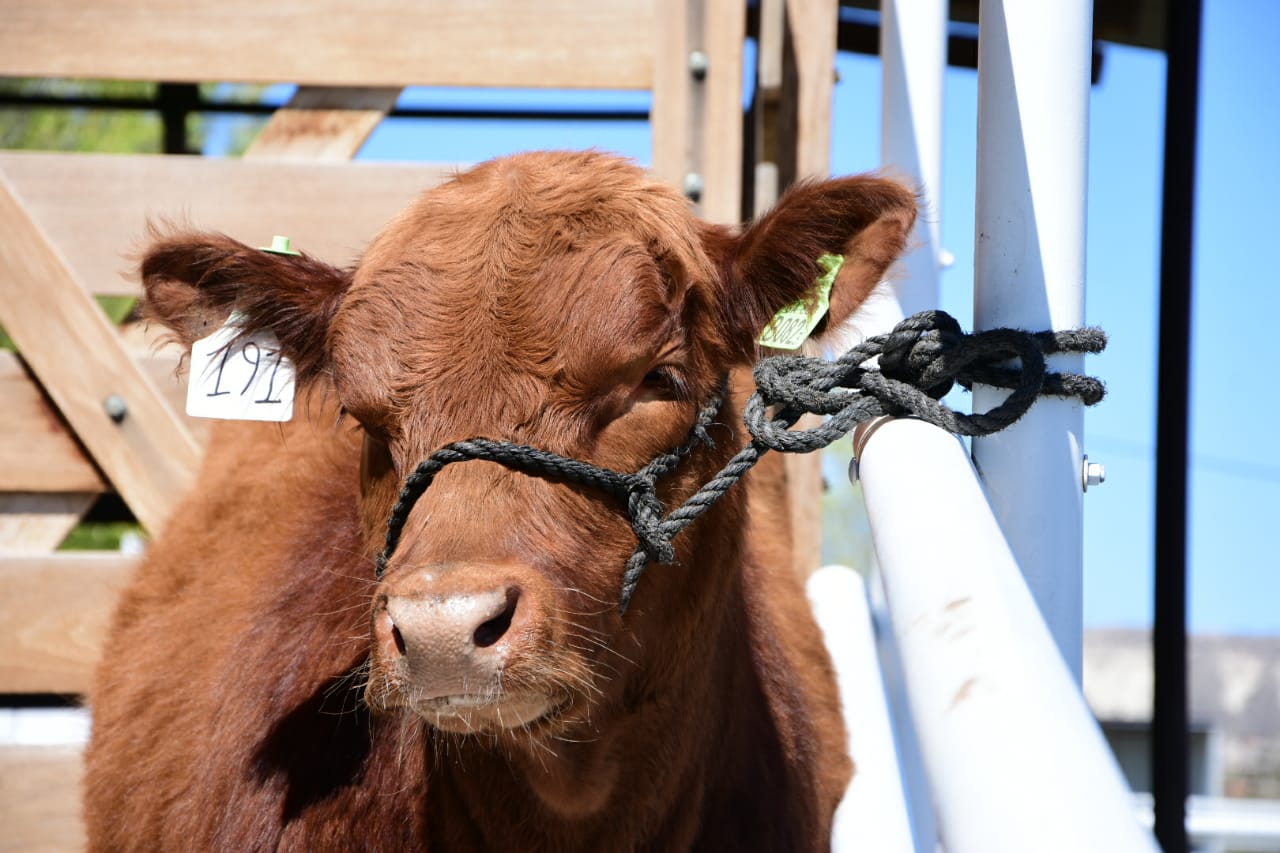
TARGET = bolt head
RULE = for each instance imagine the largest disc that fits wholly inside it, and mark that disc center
(699, 63)
(1095, 474)
(693, 186)
(115, 407)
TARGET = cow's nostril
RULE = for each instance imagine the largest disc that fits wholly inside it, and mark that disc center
(492, 630)
(399, 640)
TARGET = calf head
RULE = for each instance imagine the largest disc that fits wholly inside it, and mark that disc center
(564, 301)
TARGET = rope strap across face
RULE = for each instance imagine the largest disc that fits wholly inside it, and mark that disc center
(638, 491)
(919, 362)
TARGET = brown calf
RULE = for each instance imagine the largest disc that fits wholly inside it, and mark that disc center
(261, 690)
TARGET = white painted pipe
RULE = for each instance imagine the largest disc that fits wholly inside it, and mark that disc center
(913, 57)
(915, 781)
(1014, 758)
(1033, 123)
(873, 814)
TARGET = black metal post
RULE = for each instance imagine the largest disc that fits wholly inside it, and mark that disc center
(176, 102)
(1170, 765)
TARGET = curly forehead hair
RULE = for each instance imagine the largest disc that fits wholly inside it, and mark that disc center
(509, 216)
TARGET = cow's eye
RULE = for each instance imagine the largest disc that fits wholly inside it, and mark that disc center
(664, 383)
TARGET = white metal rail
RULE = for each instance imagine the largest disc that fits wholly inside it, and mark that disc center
(981, 592)
(1014, 759)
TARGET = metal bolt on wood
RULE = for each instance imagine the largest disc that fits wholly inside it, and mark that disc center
(693, 185)
(115, 407)
(699, 63)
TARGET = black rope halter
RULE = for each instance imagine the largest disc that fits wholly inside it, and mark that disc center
(919, 362)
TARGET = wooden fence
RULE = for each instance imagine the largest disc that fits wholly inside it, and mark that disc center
(88, 407)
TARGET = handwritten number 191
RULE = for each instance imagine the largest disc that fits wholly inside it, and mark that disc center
(254, 358)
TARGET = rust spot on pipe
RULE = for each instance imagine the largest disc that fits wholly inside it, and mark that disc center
(963, 692)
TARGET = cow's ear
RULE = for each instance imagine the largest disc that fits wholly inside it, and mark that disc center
(193, 281)
(774, 262)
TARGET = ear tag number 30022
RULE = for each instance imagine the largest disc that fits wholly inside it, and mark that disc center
(795, 322)
(240, 378)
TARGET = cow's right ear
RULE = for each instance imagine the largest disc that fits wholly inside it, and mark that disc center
(774, 262)
(193, 281)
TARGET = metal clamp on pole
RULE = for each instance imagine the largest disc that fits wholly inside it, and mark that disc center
(861, 435)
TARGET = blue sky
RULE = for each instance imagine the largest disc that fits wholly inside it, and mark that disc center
(1235, 462)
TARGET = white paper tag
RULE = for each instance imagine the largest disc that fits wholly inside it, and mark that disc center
(240, 380)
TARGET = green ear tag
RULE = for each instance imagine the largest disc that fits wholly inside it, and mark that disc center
(791, 325)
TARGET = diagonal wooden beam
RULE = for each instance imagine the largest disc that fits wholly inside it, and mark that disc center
(37, 522)
(323, 123)
(37, 452)
(71, 346)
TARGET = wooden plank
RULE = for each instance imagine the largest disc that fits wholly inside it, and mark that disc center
(40, 799)
(159, 359)
(323, 123)
(768, 95)
(551, 43)
(697, 122)
(95, 207)
(725, 29)
(38, 522)
(811, 26)
(769, 51)
(73, 349)
(813, 29)
(54, 614)
(670, 113)
(37, 453)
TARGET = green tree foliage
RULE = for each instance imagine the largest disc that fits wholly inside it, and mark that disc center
(76, 129)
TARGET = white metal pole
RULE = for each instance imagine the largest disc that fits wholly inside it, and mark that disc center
(913, 57)
(1012, 752)
(873, 815)
(906, 735)
(1033, 109)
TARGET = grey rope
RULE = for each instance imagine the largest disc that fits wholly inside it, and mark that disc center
(919, 362)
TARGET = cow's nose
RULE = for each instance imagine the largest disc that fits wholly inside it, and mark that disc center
(450, 642)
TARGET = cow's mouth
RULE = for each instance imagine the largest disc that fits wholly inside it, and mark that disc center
(487, 713)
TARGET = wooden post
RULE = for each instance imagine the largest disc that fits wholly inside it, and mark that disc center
(697, 103)
(808, 78)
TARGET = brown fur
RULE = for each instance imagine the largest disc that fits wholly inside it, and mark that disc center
(531, 299)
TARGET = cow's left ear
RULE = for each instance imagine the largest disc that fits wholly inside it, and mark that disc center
(774, 262)
(193, 281)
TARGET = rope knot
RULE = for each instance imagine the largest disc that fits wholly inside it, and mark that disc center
(646, 512)
(915, 352)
